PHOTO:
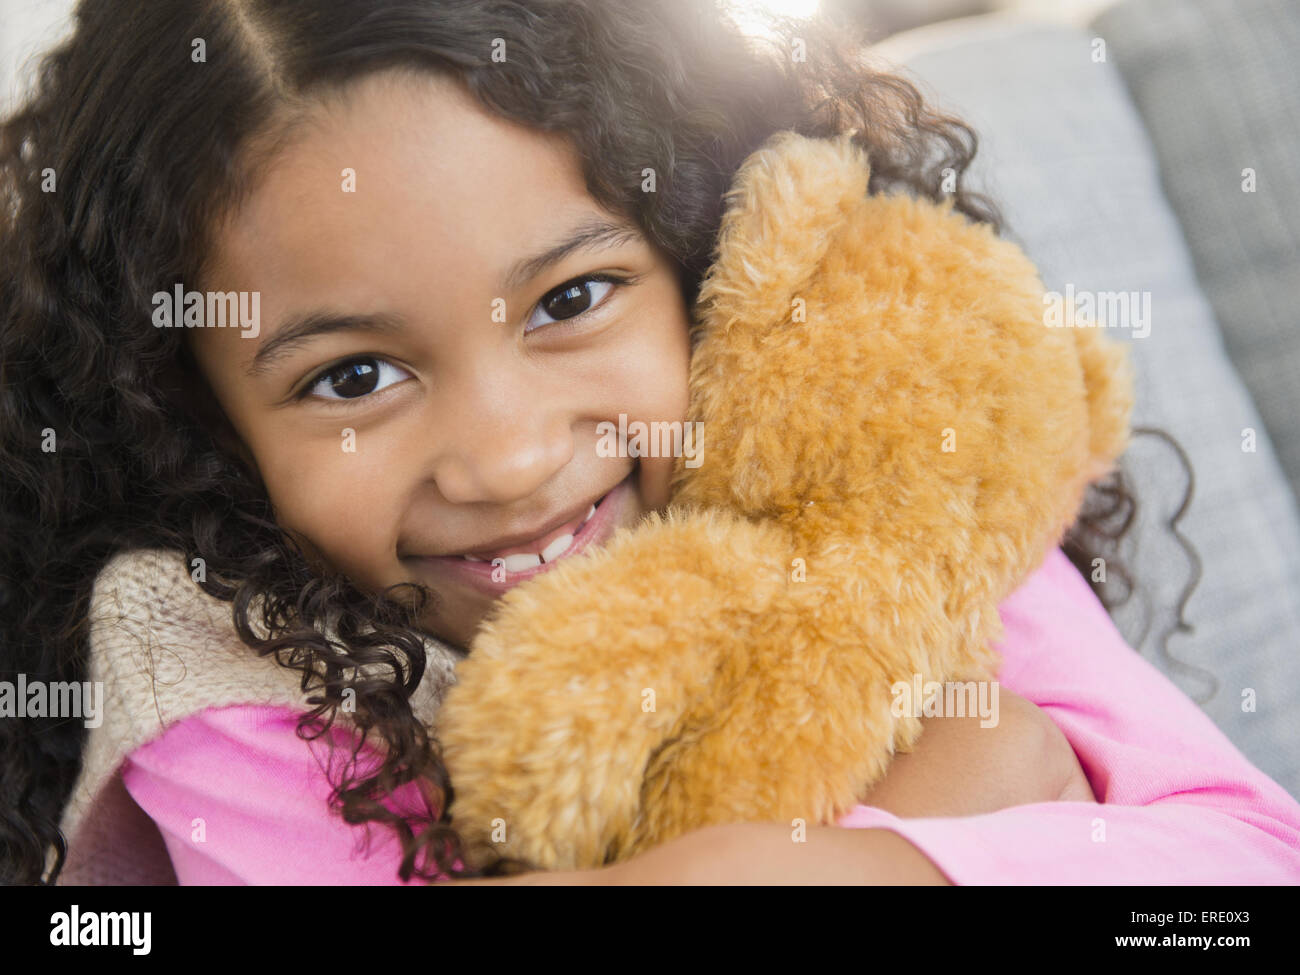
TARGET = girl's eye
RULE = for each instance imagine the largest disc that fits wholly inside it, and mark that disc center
(573, 298)
(359, 377)
(355, 378)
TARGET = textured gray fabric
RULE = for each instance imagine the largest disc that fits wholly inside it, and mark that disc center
(1064, 153)
(1218, 85)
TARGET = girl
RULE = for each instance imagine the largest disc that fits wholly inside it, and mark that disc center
(462, 234)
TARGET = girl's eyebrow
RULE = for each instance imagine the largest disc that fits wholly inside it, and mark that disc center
(594, 233)
(299, 329)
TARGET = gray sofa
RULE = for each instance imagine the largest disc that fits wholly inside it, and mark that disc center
(1117, 150)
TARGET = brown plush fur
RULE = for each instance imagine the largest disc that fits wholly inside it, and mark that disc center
(882, 400)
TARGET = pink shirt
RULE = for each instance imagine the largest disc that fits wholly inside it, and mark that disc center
(1179, 803)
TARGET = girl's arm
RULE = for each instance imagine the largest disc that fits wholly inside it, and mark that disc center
(239, 798)
(960, 768)
(757, 853)
(957, 768)
(1181, 805)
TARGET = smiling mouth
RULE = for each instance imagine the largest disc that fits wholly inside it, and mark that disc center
(525, 559)
(546, 548)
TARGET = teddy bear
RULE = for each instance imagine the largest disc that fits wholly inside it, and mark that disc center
(894, 437)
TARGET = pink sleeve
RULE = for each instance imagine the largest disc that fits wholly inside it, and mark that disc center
(240, 799)
(1181, 805)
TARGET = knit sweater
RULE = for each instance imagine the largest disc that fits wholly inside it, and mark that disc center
(1179, 803)
(165, 650)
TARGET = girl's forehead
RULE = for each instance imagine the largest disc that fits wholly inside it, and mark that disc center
(399, 161)
(405, 199)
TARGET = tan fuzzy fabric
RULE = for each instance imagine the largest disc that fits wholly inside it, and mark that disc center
(165, 650)
(893, 440)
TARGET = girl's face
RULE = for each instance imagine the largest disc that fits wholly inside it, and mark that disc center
(437, 346)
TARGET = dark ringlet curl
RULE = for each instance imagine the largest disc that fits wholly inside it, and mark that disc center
(151, 150)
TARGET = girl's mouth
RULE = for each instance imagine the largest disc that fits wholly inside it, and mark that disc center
(493, 573)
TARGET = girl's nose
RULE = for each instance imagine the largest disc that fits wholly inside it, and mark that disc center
(500, 439)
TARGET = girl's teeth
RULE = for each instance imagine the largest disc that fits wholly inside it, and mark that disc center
(557, 548)
(521, 561)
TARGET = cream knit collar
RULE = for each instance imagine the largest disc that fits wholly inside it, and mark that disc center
(165, 650)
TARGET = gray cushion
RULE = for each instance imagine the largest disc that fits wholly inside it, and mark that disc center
(1064, 153)
(1218, 86)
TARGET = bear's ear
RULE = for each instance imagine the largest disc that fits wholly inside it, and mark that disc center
(784, 207)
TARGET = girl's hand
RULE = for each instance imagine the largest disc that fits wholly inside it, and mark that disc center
(959, 768)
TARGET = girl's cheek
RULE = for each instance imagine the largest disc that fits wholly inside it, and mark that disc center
(326, 494)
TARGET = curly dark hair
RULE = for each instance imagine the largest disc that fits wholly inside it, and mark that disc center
(149, 153)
